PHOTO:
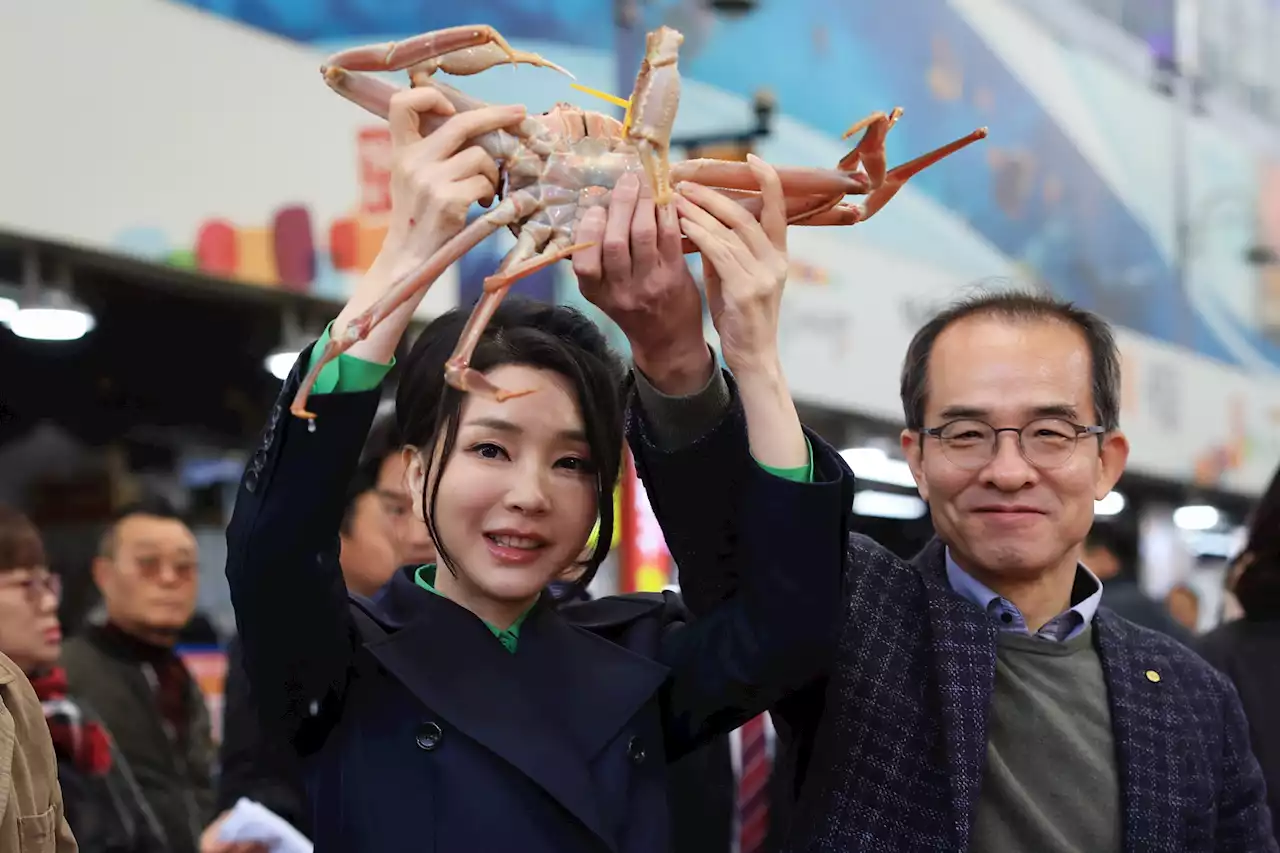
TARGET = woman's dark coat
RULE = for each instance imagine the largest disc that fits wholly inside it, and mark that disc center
(418, 731)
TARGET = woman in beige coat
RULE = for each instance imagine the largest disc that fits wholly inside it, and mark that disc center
(31, 814)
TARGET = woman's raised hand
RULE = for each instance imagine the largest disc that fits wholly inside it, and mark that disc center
(435, 178)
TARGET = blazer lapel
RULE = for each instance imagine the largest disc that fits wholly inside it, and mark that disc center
(545, 709)
(964, 649)
(1143, 720)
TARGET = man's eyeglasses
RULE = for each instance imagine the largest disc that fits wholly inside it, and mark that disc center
(36, 585)
(1045, 443)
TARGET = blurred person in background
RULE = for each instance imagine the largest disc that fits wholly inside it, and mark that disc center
(391, 489)
(1112, 556)
(1183, 604)
(127, 670)
(104, 807)
(1247, 649)
(376, 539)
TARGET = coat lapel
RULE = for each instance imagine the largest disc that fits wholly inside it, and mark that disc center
(964, 647)
(1146, 738)
(547, 710)
(8, 736)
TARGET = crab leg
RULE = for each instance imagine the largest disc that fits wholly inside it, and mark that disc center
(654, 103)
(797, 205)
(514, 208)
(458, 371)
(894, 181)
(485, 48)
(869, 151)
(796, 180)
(867, 159)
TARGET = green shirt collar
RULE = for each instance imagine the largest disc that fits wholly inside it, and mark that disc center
(425, 577)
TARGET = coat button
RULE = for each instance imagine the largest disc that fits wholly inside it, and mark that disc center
(429, 736)
(635, 750)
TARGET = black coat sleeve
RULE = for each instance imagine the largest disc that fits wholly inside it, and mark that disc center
(698, 495)
(772, 552)
(256, 762)
(290, 600)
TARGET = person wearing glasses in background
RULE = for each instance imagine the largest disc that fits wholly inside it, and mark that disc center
(103, 807)
(147, 570)
(981, 696)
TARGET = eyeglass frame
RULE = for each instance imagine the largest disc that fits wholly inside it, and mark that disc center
(1081, 431)
(37, 584)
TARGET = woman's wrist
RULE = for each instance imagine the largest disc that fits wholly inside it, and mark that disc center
(774, 432)
(390, 267)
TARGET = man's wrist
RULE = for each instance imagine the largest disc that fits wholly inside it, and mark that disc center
(676, 372)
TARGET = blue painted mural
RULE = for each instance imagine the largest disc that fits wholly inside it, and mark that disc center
(1029, 191)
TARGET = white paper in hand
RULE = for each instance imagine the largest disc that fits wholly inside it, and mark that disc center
(251, 821)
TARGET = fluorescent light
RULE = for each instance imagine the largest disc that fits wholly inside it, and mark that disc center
(871, 463)
(1112, 504)
(888, 505)
(8, 308)
(280, 363)
(1214, 544)
(51, 324)
(1196, 517)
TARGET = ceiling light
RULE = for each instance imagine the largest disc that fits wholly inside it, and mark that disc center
(1196, 517)
(872, 463)
(888, 505)
(280, 362)
(47, 313)
(293, 340)
(51, 316)
(1112, 504)
(8, 307)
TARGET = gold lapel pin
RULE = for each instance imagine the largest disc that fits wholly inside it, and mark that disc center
(1153, 676)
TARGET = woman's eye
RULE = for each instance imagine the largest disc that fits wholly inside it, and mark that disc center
(574, 463)
(488, 451)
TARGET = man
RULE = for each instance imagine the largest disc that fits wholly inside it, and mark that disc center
(1110, 557)
(126, 669)
(386, 463)
(977, 698)
(375, 541)
(32, 817)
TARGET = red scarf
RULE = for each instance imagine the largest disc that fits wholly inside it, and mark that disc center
(82, 741)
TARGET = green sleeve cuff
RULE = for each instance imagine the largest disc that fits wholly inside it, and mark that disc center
(346, 373)
(803, 474)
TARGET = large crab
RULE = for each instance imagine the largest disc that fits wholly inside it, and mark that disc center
(558, 164)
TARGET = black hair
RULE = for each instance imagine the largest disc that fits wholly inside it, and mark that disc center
(21, 546)
(523, 332)
(1014, 305)
(383, 441)
(153, 506)
(1258, 587)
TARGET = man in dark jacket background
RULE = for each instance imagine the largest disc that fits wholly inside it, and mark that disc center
(126, 669)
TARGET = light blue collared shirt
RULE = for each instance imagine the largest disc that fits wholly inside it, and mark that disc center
(1067, 624)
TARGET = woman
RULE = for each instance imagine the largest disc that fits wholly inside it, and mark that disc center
(104, 808)
(462, 710)
(32, 815)
(1247, 650)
